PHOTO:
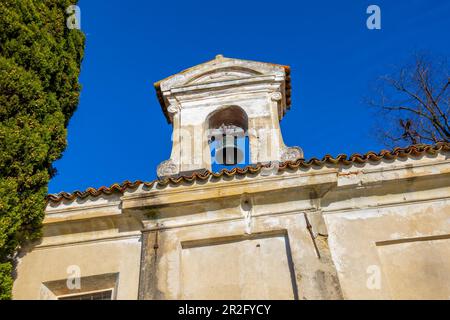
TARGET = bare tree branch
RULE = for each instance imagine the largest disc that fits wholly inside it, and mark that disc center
(414, 102)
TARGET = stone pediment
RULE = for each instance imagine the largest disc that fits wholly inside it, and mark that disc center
(223, 74)
(221, 71)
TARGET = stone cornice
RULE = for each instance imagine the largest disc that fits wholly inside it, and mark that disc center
(224, 189)
(83, 212)
(356, 162)
(332, 186)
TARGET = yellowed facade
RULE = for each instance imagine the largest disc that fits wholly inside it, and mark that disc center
(373, 226)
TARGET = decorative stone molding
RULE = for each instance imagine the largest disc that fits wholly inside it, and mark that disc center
(55, 289)
(291, 154)
(167, 168)
(276, 96)
(174, 108)
(271, 168)
(246, 208)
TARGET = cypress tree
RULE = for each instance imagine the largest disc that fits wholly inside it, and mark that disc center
(40, 61)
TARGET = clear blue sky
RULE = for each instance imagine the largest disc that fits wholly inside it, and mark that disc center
(119, 132)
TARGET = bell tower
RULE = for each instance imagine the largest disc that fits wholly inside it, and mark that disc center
(220, 102)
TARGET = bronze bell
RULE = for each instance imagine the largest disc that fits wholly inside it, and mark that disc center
(227, 151)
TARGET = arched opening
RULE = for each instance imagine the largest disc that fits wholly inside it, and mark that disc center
(227, 137)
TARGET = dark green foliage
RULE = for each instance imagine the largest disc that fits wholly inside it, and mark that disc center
(39, 66)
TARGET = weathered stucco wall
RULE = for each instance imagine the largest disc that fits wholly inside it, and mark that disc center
(237, 268)
(389, 227)
(378, 230)
(277, 260)
(91, 249)
(393, 252)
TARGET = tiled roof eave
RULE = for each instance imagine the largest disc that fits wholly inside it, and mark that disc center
(342, 159)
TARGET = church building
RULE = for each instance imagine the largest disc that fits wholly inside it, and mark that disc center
(237, 214)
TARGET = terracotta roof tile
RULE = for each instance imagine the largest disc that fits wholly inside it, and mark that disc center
(342, 159)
